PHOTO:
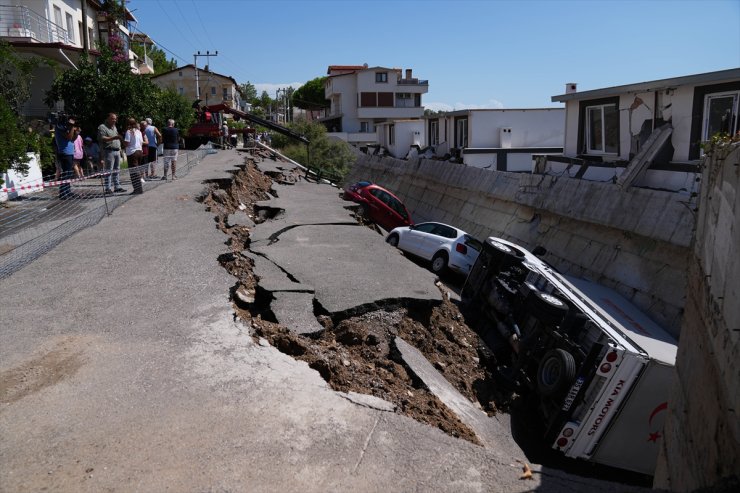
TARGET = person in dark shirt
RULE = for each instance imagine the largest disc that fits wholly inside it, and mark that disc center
(64, 136)
(171, 143)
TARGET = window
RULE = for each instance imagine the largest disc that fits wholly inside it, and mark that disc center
(179, 73)
(381, 77)
(226, 93)
(433, 132)
(368, 99)
(602, 129)
(385, 99)
(461, 132)
(425, 227)
(404, 100)
(180, 91)
(58, 16)
(391, 134)
(366, 127)
(71, 29)
(90, 37)
(720, 114)
(445, 231)
(213, 90)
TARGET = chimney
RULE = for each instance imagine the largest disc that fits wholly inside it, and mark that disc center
(571, 87)
(408, 73)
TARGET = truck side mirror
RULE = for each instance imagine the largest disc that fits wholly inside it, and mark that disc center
(539, 251)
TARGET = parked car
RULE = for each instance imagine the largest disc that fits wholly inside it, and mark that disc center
(378, 205)
(445, 246)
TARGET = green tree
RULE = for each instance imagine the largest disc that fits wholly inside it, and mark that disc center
(15, 89)
(107, 85)
(310, 96)
(158, 56)
(249, 92)
(265, 100)
(328, 155)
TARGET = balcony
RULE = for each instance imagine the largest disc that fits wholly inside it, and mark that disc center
(18, 23)
(146, 66)
(412, 82)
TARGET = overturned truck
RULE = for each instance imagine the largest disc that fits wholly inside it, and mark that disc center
(598, 368)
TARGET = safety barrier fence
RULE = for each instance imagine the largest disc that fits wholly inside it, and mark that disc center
(39, 215)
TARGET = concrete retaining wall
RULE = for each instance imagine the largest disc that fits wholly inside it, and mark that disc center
(635, 241)
(702, 431)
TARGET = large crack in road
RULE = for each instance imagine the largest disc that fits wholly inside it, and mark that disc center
(318, 285)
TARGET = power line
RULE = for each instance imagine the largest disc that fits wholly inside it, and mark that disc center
(187, 24)
(175, 25)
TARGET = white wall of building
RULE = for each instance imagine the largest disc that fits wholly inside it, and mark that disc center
(529, 127)
(675, 104)
(406, 134)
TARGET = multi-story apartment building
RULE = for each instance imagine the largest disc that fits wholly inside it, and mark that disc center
(55, 30)
(214, 88)
(362, 97)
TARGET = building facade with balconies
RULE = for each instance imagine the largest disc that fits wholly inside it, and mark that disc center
(362, 97)
(214, 88)
(54, 30)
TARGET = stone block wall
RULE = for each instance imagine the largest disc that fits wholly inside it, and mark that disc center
(702, 432)
(635, 241)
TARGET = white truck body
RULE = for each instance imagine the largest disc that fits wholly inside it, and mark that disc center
(614, 409)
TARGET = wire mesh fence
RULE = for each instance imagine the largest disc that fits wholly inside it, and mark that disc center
(38, 216)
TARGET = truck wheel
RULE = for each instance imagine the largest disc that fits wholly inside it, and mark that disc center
(557, 370)
(545, 307)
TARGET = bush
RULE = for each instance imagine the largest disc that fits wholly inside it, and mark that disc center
(333, 156)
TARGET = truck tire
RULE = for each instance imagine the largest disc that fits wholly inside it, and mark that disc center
(556, 371)
(545, 307)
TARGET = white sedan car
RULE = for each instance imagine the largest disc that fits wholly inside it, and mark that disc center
(446, 247)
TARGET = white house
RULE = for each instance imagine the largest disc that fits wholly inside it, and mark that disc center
(609, 129)
(399, 137)
(54, 30)
(501, 139)
(362, 97)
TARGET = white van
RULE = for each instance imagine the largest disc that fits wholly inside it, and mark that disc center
(600, 368)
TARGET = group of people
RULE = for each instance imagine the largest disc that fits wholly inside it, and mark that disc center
(139, 143)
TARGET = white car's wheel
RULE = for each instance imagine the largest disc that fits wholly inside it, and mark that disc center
(439, 262)
(393, 240)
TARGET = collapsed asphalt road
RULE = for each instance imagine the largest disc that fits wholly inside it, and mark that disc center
(124, 368)
(321, 287)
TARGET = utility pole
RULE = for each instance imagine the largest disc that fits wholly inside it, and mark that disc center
(207, 54)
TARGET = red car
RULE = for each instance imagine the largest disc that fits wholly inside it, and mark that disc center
(379, 205)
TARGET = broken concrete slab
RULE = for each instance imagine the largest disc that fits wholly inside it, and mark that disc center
(490, 431)
(269, 166)
(272, 278)
(295, 311)
(302, 203)
(369, 401)
(239, 218)
(351, 268)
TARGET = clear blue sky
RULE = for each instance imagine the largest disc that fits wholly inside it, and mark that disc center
(475, 54)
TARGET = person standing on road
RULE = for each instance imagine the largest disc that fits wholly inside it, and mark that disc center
(171, 141)
(92, 155)
(134, 142)
(79, 153)
(64, 136)
(154, 137)
(110, 142)
(224, 136)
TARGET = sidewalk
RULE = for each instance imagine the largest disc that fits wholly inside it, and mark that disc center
(122, 369)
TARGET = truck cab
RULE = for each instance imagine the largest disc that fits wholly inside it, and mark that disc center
(600, 370)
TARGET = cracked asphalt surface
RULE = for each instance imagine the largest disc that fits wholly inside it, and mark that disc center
(122, 367)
